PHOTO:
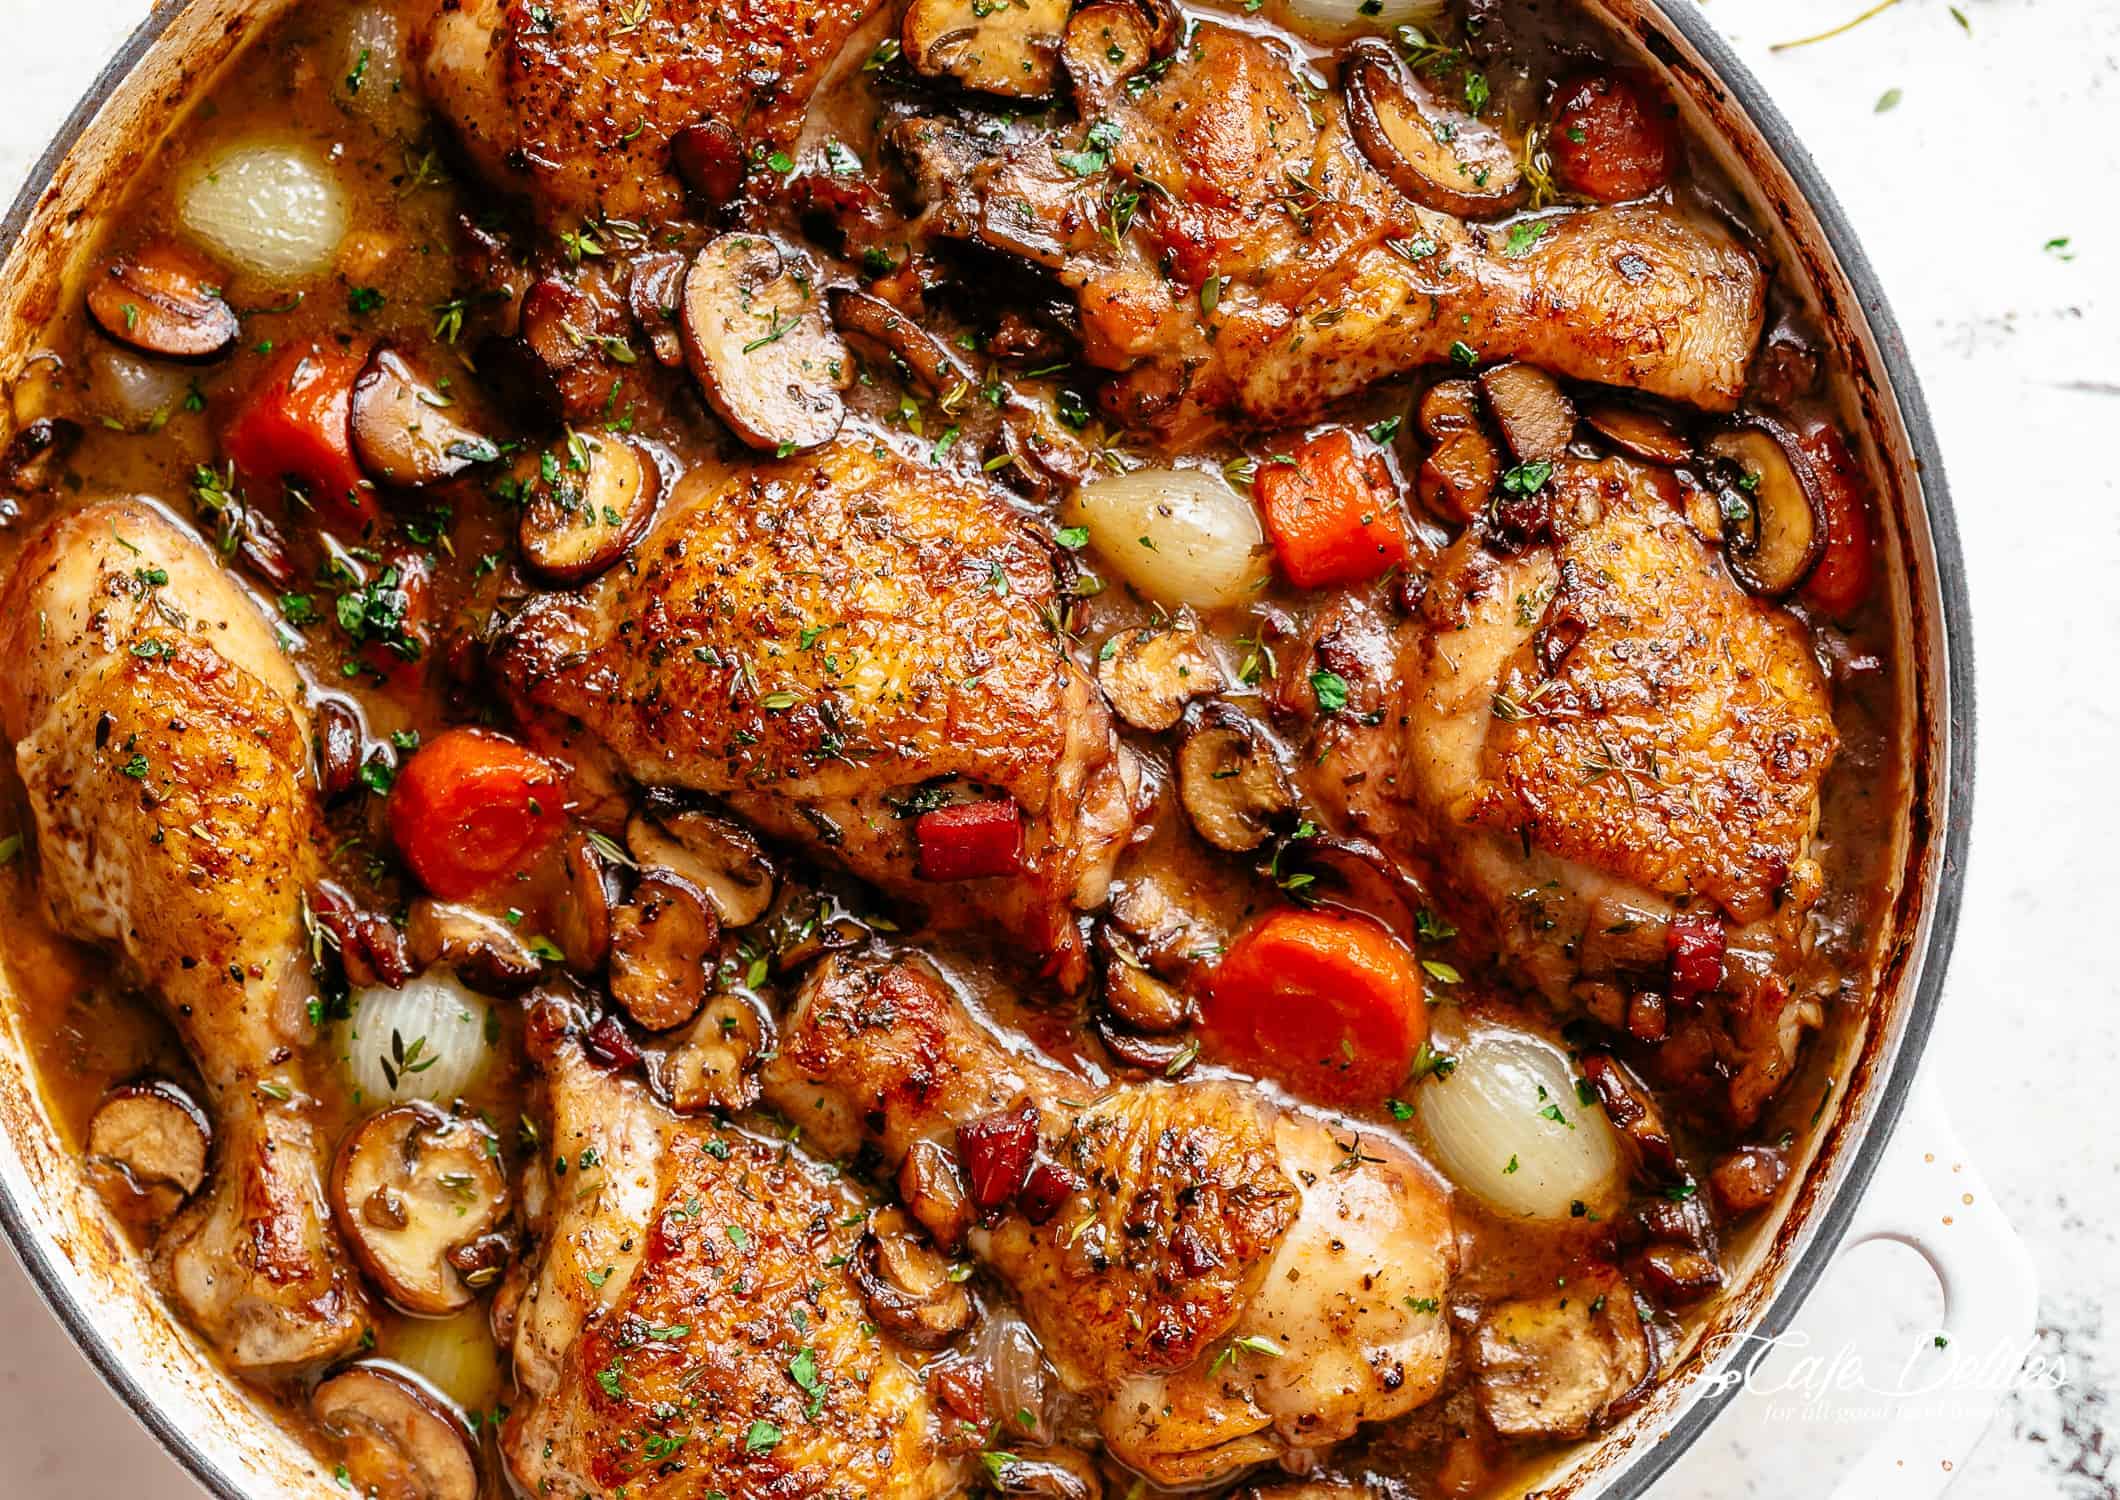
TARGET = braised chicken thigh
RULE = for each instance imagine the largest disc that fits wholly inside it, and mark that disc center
(1228, 1283)
(687, 1325)
(161, 737)
(834, 644)
(578, 108)
(1613, 750)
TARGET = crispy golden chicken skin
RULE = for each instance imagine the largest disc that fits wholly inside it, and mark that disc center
(161, 737)
(1227, 1283)
(814, 641)
(688, 1327)
(573, 102)
(1680, 740)
(1593, 735)
(1233, 252)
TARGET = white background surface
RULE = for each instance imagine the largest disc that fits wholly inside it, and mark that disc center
(2006, 137)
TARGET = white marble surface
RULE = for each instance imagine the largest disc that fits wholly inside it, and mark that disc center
(2006, 136)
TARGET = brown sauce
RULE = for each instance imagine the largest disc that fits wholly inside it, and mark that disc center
(430, 260)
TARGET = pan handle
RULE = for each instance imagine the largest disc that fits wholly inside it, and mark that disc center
(1929, 1197)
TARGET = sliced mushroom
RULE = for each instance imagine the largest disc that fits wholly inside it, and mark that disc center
(1006, 47)
(1774, 514)
(933, 1193)
(1053, 1473)
(1108, 41)
(1747, 1179)
(484, 951)
(341, 735)
(1152, 1056)
(1639, 432)
(370, 948)
(717, 856)
(713, 1066)
(758, 344)
(402, 431)
(652, 296)
(1230, 781)
(1134, 996)
(1562, 1364)
(159, 300)
(1429, 149)
(153, 1137)
(907, 1284)
(1630, 1108)
(1160, 927)
(410, 1185)
(36, 450)
(708, 157)
(580, 516)
(1788, 365)
(662, 946)
(811, 925)
(885, 331)
(581, 917)
(1457, 479)
(1535, 415)
(401, 1439)
(1678, 1274)
(549, 366)
(1150, 675)
(1040, 452)
(1353, 874)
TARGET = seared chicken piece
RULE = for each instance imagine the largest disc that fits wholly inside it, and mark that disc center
(161, 737)
(1324, 278)
(568, 104)
(687, 1326)
(816, 641)
(1596, 735)
(1227, 1283)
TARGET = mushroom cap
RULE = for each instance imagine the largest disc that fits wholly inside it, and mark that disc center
(410, 1185)
(402, 1439)
(757, 341)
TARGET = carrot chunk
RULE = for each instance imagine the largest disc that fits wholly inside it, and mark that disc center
(471, 809)
(293, 427)
(1843, 577)
(1333, 512)
(1613, 137)
(1331, 1006)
